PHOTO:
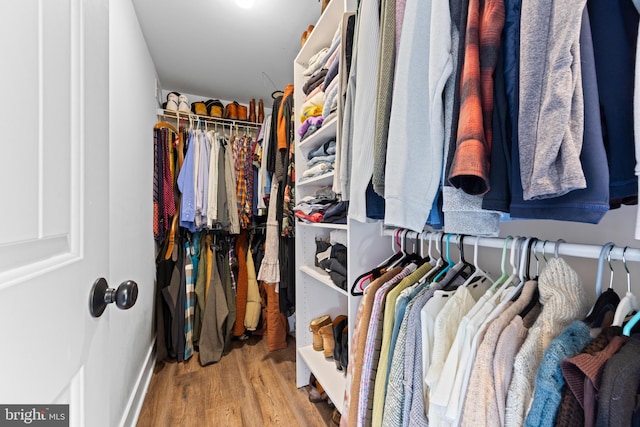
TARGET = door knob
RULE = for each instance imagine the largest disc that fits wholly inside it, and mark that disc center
(102, 295)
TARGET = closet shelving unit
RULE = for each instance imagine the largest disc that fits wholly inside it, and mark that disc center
(191, 117)
(316, 294)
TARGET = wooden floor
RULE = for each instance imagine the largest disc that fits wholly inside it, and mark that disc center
(248, 387)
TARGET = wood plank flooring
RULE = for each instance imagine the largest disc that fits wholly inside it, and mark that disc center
(248, 387)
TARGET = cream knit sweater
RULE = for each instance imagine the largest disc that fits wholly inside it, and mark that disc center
(563, 300)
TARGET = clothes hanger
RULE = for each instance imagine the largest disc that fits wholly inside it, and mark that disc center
(399, 238)
(478, 274)
(536, 293)
(446, 267)
(440, 263)
(525, 247)
(462, 268)
(160, 125)
(609, 299)
(515, 245)
(504, 276)
(629, 302)
(413, 256)
(358, 286)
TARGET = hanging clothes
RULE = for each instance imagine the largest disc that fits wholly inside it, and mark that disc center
(214, 316)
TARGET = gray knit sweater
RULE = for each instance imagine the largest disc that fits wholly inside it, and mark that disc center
(563, 300)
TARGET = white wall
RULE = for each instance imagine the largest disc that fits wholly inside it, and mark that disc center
(132, 108)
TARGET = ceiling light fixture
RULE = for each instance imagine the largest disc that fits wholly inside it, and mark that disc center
(245, 4)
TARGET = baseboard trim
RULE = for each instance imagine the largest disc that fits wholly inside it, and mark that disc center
(134, 405)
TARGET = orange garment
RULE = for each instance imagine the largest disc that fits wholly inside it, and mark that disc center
(209, 264)
(276, 322)
(470, 166)
(242, 285)
(282, 122)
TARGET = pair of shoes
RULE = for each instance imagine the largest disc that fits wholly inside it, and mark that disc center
(316, 391)
(340, 328)
(231, 111)
(177, 102)
(305, 35)
(214, 108)
(199, 108)
(315, 325)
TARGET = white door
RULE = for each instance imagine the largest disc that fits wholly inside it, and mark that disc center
(54, 205)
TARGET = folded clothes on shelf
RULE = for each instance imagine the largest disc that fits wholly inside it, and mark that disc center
(334, 261)
(321, 159)
(310, 121)
(317, 170)
(315, 62)
(324, 202)
(325, 149)
(314, 81)
(336, 213)
(313, 107)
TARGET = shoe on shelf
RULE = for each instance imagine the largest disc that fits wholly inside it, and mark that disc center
(242, 112)
(315, 326)
(231, 111)
(183, 105)
(214, 108)
(328, 344)
(338, 325)
(252, 110)
(260, 111)
(172, 101)
(199, 108)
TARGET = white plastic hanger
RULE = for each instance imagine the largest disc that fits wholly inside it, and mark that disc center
(478, 273)
(514, 275)
(504, 276)
(524, 249)
(629, 303)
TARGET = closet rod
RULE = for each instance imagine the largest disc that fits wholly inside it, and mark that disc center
(578, 250)
(176, 115)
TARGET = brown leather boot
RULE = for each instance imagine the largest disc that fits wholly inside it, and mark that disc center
(252, 110)
(260, 111)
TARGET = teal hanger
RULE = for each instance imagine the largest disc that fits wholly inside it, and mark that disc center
(448, 259)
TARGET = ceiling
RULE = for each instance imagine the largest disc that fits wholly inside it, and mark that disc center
(215, 49)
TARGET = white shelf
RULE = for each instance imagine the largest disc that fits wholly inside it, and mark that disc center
(322, 277)
(332, 380)
(323, 225)
(326, 132)
(320, 180)
(322, 33)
